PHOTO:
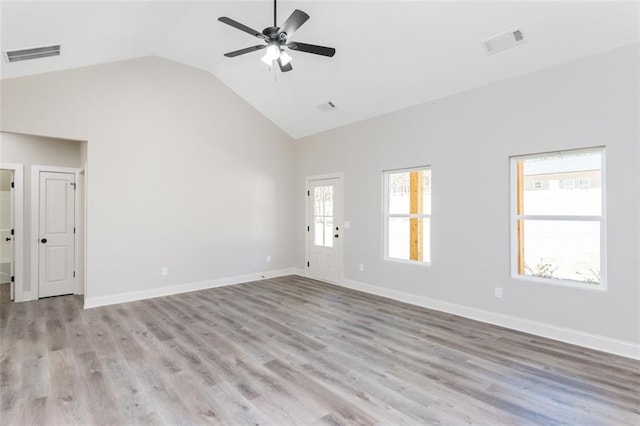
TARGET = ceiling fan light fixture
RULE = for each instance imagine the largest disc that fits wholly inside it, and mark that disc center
(285, 58)
(271, 55)
(275, 38)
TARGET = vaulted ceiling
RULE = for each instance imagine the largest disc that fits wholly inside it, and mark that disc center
(390, 54)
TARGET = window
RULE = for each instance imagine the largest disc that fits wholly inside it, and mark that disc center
(584, 183)
(323, 216)
(537, 185)
(407, 214)
(559, 235)
(568, 184)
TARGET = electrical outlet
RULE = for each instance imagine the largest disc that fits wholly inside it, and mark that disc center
(165, 271)
(361, 267)
(268, 258)
(497, 292)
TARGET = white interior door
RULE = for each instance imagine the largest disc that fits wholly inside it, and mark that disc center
(56, 274)
(325, 229)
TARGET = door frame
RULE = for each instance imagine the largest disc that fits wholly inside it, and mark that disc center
(307, 239)
(35, 225)
(18, 226)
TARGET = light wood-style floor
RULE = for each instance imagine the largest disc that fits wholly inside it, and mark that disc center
(294, 351)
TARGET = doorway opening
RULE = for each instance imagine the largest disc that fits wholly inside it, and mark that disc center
(28, 155)
(11, 231)
(7, 232)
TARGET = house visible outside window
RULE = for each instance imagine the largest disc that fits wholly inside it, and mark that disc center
(584, 183)
(558, 236)
(537, 185)
(568, 184)
(407, 215)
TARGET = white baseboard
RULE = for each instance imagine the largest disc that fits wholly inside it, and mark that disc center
(300, 271)
(94, 302)
(575, 337)
(26, 296)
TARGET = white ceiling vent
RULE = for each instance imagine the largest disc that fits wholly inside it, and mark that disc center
(326, 106)
(32, 53)
(503, 41)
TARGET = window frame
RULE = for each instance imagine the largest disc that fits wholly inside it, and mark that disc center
(386, 215)
(514, 217)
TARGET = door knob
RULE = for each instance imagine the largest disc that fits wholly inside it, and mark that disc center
(7, 239)
(44, 240)
(336, 235)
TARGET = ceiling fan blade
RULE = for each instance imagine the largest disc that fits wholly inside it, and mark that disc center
(311, 48)
(245, 50)
(284, 68)
(242, 27)
(293, 22)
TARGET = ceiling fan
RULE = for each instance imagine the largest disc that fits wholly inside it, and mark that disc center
(277, 38)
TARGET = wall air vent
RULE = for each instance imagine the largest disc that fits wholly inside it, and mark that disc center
(33, 53)
(326, 106)
(503, 41)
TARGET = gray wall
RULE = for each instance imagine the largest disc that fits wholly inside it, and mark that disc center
(181, 172)
(467, 139)
(33, 150)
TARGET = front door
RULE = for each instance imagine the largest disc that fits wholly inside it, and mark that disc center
(56, 274)
(324, 226)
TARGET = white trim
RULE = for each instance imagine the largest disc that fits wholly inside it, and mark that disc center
(580, 285)
(559, 217)
(336, 175)
(339, 216)
(35, 223)
(410, 215)
(85, 226)
(559, 152)
(602, 343)
(93, 302)
(18, 224)
(418, 263)
(80, 213)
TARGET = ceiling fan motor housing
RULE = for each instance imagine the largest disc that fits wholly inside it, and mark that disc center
(271, 32)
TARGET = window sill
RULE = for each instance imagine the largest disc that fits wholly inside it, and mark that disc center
(407, 262)
(561, 283)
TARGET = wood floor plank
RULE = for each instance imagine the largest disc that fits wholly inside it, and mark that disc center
(294, 351)
(133, 402)
(69, 404)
